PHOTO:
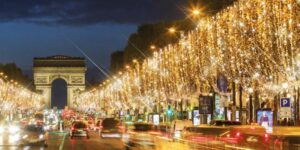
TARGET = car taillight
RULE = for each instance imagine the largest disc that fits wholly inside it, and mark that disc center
(266, 136)
(238, 134)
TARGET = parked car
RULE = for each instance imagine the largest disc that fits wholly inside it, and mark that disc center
(111, 128)
(79, 129)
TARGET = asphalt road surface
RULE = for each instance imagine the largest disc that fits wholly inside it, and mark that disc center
(62, 141)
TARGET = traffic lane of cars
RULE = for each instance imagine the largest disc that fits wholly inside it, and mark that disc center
(17, 134)
(94, 142)
(241, 136)
(147, 136)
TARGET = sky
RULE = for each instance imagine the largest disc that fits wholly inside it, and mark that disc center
(40, 28)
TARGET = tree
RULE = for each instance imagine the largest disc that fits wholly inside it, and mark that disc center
(116, 61)
(16, 74)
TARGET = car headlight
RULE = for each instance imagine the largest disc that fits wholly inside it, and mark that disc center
(177, 134)
(13, 129)
(25, 136)
(1, 129)
(41, 136)
(46, 128)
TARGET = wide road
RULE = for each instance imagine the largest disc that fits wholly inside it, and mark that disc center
(62, 141)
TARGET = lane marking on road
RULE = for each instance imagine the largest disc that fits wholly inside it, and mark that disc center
(61, 146)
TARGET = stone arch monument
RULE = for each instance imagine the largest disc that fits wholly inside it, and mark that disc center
(70, 69)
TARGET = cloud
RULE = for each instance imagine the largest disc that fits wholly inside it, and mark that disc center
(88, 12)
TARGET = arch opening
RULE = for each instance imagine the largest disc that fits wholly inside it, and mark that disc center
(59, 93)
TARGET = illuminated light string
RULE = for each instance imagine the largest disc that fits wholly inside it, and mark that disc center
(255, 44)
(14, 97)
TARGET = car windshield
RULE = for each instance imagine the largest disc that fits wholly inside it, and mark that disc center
(206, 130)
(109, 123)
(34, 128)
(224, 123)
(79, 125)
(142, 127)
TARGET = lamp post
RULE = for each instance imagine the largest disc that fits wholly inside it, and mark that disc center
(250, 90)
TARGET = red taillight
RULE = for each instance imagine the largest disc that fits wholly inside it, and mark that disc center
(238, 134)
(266, 136)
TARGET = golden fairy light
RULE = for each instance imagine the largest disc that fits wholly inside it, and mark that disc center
(255, 44)
(13, 96)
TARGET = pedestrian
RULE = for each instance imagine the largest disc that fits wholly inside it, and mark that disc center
(284, 122)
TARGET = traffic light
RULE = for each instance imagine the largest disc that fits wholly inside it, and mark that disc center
(169, 112)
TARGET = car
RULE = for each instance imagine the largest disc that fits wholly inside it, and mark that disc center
(91, 123)
(177, 126)
(204, 133)
(34, 135)
(247, 136)
(9, 128)
(142, 136)
(224, 123)
(111, 128)
(79, 129)
(97, 127)
(254, 137)
(39, 118)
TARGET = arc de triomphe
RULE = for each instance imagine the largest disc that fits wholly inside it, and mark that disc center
(48, 69)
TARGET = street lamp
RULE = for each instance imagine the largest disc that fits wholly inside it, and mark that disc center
(285, 85)
(196, 12)
(172, 30)
(250, 90)
(153, 47)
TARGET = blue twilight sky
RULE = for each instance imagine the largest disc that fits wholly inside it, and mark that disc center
(40, 28)
(20, 42)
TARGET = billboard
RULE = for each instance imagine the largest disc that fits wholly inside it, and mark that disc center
(222, 83)
(156, 119)
(205, 105)
(196, 117)
(219, 109)
(265, 119)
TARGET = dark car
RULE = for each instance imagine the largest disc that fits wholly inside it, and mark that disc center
(225, 123)
(79, 129)
(111, 128)
(34, 135)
